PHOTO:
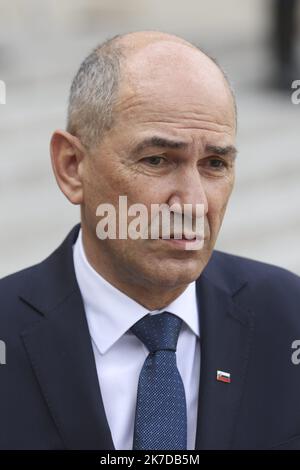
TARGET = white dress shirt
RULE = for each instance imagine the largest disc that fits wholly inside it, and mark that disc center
(120, 355)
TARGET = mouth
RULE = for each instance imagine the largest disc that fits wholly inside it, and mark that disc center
(186, 242)
(182, 236)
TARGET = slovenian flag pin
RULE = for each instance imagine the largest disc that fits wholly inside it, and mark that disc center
(223, 376)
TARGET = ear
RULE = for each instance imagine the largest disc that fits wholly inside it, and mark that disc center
(67, 155)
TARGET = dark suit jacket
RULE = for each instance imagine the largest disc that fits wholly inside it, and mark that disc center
(249, 317)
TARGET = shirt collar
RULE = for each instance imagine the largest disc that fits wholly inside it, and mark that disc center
(111, 313)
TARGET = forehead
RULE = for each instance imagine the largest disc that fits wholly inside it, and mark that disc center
(174, 86)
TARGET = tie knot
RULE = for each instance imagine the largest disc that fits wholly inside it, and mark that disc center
(159, 331)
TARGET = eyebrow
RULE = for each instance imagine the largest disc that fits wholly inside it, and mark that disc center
(228, 150)
(162, 142)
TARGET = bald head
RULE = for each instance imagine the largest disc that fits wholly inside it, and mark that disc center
(132, 42)
(138, 63)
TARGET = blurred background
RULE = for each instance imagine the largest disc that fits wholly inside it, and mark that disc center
(257, 42)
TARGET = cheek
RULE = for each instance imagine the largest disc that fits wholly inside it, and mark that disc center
(217, 198)
(102, 182)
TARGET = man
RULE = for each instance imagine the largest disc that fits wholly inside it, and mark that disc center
(142, 343)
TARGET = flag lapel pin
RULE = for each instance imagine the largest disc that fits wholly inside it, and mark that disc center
(223, 376)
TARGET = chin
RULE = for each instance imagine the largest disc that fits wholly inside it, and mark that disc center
(175, 272)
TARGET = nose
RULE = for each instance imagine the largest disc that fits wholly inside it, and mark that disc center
(189, 189)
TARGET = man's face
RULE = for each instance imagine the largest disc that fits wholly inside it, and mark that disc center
(170, 95)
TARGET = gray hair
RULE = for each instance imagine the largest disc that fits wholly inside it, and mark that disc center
(94, 90)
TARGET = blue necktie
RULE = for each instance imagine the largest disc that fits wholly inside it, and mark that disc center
(160, 419)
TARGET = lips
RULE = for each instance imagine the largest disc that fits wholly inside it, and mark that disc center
(183, 244)
(187, 237)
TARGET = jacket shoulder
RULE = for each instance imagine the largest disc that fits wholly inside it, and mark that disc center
(272, 292)
(252, 270)
(9, 285)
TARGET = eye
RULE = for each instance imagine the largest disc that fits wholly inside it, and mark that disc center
(154, 160)
(217, 163)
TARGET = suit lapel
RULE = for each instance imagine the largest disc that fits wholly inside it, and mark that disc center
(60, 351)
(226, 335)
